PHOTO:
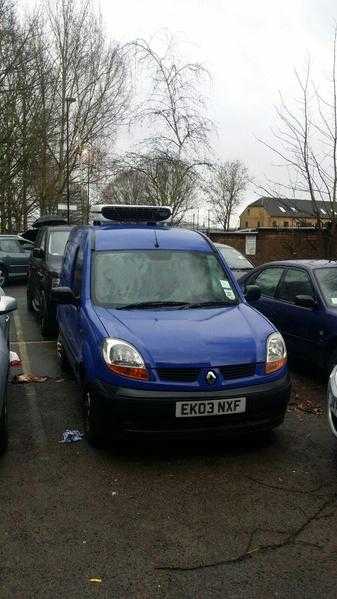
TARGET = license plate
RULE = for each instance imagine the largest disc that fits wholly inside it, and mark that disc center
(211, 407)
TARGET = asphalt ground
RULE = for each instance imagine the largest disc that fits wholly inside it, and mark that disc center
(182, 520)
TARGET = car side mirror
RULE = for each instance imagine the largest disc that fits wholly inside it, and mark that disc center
(252, 293)
(7, 304)
(305, 301)
(27, 247)
(63, 296)
(38, 253)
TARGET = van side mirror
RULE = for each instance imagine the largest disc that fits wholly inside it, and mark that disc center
(7, 304)
(305, 301)
(63, 296)
(252, 293)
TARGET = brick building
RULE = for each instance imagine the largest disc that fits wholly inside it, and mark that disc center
(282, 213)
(265, 245)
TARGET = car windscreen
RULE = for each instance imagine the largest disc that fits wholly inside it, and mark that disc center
(130, 278)
(57, 242)
(10, 246)
(234, 258)
(327, 279)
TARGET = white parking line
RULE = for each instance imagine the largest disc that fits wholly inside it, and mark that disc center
(38, 432)
(42, 342)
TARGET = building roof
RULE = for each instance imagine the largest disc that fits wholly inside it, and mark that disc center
(291, 208)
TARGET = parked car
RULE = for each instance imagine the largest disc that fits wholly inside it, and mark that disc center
(332, 401)
(14, 259)
(300, 298)
(7, 305)
(237, 262)
(43, 274)
(160, 336)
(25, 243)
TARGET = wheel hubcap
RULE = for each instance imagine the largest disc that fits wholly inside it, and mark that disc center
(36, 303)
(59, 349)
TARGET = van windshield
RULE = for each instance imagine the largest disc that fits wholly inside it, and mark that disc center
(151, 278)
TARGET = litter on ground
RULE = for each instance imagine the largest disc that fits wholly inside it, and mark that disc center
(71, 436)
(14, 360)
(29, 377)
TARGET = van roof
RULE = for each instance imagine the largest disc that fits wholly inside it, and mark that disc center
(124, 237)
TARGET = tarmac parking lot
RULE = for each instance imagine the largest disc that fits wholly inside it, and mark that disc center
(183, 520)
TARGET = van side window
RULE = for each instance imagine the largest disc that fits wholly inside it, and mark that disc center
(77, 275)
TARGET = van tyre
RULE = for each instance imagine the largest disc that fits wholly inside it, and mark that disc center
(3, 428)
(93, 420)
(47, 324)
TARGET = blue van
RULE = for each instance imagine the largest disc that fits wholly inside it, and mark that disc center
(160, 336)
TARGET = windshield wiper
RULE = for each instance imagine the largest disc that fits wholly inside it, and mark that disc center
(211, 304)
(152, 305)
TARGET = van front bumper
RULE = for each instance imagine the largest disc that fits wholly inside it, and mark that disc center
(137, 412)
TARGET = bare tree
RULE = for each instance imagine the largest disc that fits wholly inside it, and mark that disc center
(128, 186)
(154, 178)
(224, 190)
(80, 72)
(306, 144)
(175, 108)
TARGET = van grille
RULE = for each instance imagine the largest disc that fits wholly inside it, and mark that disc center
(237, 371)
(190, 375)
(178, 375)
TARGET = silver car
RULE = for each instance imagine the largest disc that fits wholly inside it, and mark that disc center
(7, 305)
(332, 401)
(237, 262)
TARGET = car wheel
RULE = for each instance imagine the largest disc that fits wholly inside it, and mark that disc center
(30, 306)
(93, 420)
(332, 362)
(47, 324)
(3, 276)
(332, 402)
(61, 355)
(3, 428)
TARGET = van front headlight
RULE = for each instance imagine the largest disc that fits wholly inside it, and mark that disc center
(123, 359)
(276, 353)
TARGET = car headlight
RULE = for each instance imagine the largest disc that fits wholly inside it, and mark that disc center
(123, 359)
(276, 353)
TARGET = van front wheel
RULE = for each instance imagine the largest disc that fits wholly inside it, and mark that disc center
(93, 419)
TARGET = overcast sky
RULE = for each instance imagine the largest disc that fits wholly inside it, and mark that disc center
(251, 49)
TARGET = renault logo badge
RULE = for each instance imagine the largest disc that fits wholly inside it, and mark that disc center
(211, 377)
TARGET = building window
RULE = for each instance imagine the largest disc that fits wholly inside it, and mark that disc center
(246, 224)
(274, 224)
(258, 223)
(248, 211)
(286, 224)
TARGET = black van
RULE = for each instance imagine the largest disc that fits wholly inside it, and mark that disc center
(44, 270)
